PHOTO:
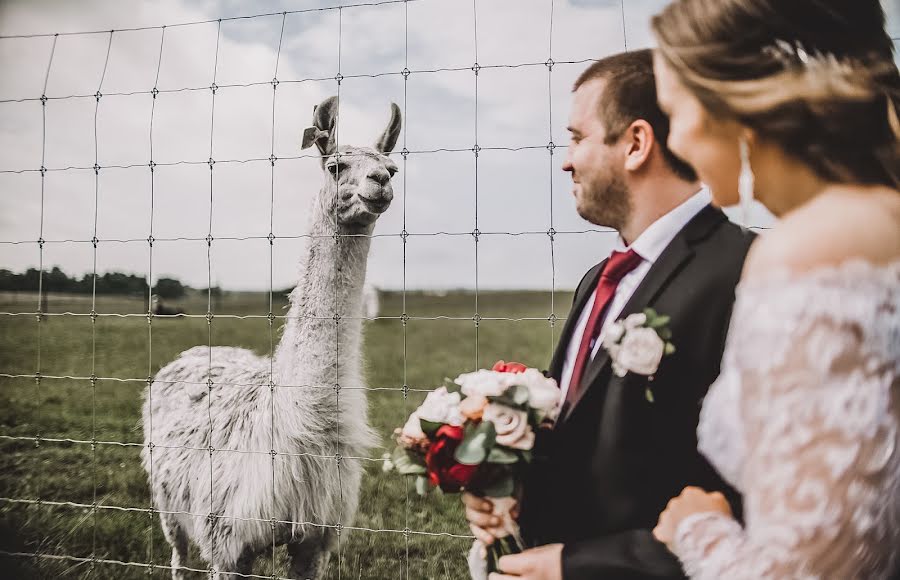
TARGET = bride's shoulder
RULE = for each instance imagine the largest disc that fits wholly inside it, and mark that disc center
(843, 224)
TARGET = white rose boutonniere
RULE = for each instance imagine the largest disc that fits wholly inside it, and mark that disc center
(638, 344)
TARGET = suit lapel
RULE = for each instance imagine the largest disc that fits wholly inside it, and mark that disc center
(585, 292)
(658, 277)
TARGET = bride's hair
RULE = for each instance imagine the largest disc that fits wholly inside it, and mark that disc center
(815, 76)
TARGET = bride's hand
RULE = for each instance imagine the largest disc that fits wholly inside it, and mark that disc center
(692, 500)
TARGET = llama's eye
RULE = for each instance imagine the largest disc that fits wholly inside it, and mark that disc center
(338, 167)
(392, 171)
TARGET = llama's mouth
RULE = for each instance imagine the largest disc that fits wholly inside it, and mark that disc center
(376, 206)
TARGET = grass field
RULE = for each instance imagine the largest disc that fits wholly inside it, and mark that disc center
(111, 475)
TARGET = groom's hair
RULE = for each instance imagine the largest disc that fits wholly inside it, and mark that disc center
(629, 95)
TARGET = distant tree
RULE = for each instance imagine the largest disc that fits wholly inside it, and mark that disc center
(169, 288)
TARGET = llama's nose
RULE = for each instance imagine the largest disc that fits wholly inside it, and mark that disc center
(380, 176)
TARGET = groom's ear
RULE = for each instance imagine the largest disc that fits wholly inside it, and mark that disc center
(638, 140)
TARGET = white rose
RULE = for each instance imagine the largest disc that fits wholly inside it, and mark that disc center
(636, 320)
(640, 352)
(614, 333)
(412, 430)
(511, 425)
(543, 394)
(441, 406)
(484, 383)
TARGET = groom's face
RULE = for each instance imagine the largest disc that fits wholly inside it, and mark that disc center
(596, 165)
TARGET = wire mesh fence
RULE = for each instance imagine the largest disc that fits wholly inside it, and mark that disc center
(148, 554)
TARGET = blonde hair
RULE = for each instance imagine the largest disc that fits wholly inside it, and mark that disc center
(819, 80)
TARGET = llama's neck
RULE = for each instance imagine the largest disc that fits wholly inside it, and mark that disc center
(321, 343)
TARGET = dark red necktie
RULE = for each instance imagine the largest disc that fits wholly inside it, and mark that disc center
(617, 267)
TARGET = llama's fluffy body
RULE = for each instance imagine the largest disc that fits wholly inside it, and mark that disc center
(248, 487)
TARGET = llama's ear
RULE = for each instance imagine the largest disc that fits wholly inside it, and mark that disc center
(388, 139)
(322, 132)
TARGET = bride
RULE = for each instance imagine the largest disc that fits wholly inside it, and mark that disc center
(796, 102)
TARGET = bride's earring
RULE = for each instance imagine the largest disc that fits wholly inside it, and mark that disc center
(745, 181)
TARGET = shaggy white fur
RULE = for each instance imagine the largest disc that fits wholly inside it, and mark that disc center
(237, 444)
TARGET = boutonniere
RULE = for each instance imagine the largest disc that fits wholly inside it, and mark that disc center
(638, 344)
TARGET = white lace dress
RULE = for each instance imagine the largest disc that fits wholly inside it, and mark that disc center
(804, 422)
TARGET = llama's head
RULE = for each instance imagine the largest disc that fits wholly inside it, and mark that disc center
(357, 179)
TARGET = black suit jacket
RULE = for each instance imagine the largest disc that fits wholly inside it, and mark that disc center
(602, 476)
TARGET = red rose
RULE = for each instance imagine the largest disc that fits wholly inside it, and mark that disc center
(509, 367)
(443, 469)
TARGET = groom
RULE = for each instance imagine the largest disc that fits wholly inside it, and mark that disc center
(624, 446)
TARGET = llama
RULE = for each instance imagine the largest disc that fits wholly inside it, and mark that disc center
(160, 309)
(235, 505)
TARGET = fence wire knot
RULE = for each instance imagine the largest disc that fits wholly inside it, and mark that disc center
(475, 68)
(338, 458)
(209, 239)
(97, 96)
(405, 391)
(211, 162)
(549, 63)
(209, 317)
(214, 87)
(405, 72)
(43, 171)
(97, 169)
(274, 83)
(552, 233)
(404, 319)
(476, 233)
(339, 77)
(551, 146)
(476, 319)
(405, 153)
(44, 100)
(154, 92)
(272, 159)
(552, 319)
(152, 165)
(150, 240)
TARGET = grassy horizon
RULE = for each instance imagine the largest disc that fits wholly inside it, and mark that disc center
(129, 350)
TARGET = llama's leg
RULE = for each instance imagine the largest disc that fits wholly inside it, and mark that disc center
(177, 538)
(240, 569)
(309, 558)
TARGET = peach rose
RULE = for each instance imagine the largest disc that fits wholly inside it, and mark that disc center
(512, 426)
(472, 407)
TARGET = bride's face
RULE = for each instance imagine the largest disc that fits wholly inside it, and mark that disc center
(710, 145)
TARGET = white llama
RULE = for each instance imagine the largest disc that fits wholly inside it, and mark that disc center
(210, 406)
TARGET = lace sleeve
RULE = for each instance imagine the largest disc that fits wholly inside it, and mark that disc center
(811, 375)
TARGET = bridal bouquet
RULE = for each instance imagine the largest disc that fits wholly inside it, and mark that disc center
(476, 433)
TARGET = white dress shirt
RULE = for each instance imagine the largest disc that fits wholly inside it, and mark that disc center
(649, 246)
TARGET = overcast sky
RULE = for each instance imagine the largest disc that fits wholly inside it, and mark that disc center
(517, 106)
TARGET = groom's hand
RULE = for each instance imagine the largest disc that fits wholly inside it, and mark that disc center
(479, 513)
(541, 563)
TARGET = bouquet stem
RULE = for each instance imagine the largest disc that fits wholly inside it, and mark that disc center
(512, 544)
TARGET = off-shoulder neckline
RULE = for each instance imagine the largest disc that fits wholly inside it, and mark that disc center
(857, 268)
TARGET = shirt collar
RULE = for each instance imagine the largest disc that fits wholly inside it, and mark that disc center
(651, 243)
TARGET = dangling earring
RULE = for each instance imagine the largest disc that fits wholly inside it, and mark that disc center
(745, 181)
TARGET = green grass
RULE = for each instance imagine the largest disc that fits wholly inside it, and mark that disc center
(420, 355)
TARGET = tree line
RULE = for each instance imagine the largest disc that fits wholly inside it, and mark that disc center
(56, 280)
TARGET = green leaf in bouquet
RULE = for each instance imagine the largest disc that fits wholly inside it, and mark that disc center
(502, 456)
(423, 486)
(670, 348)
(503, 486)
(515, 397)
(650, 314)
(526, 455)
(407, 462)
(659, 322)
(664, 333)
(648, 394)
(451, 386)
(476, 444)
(429, 427)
